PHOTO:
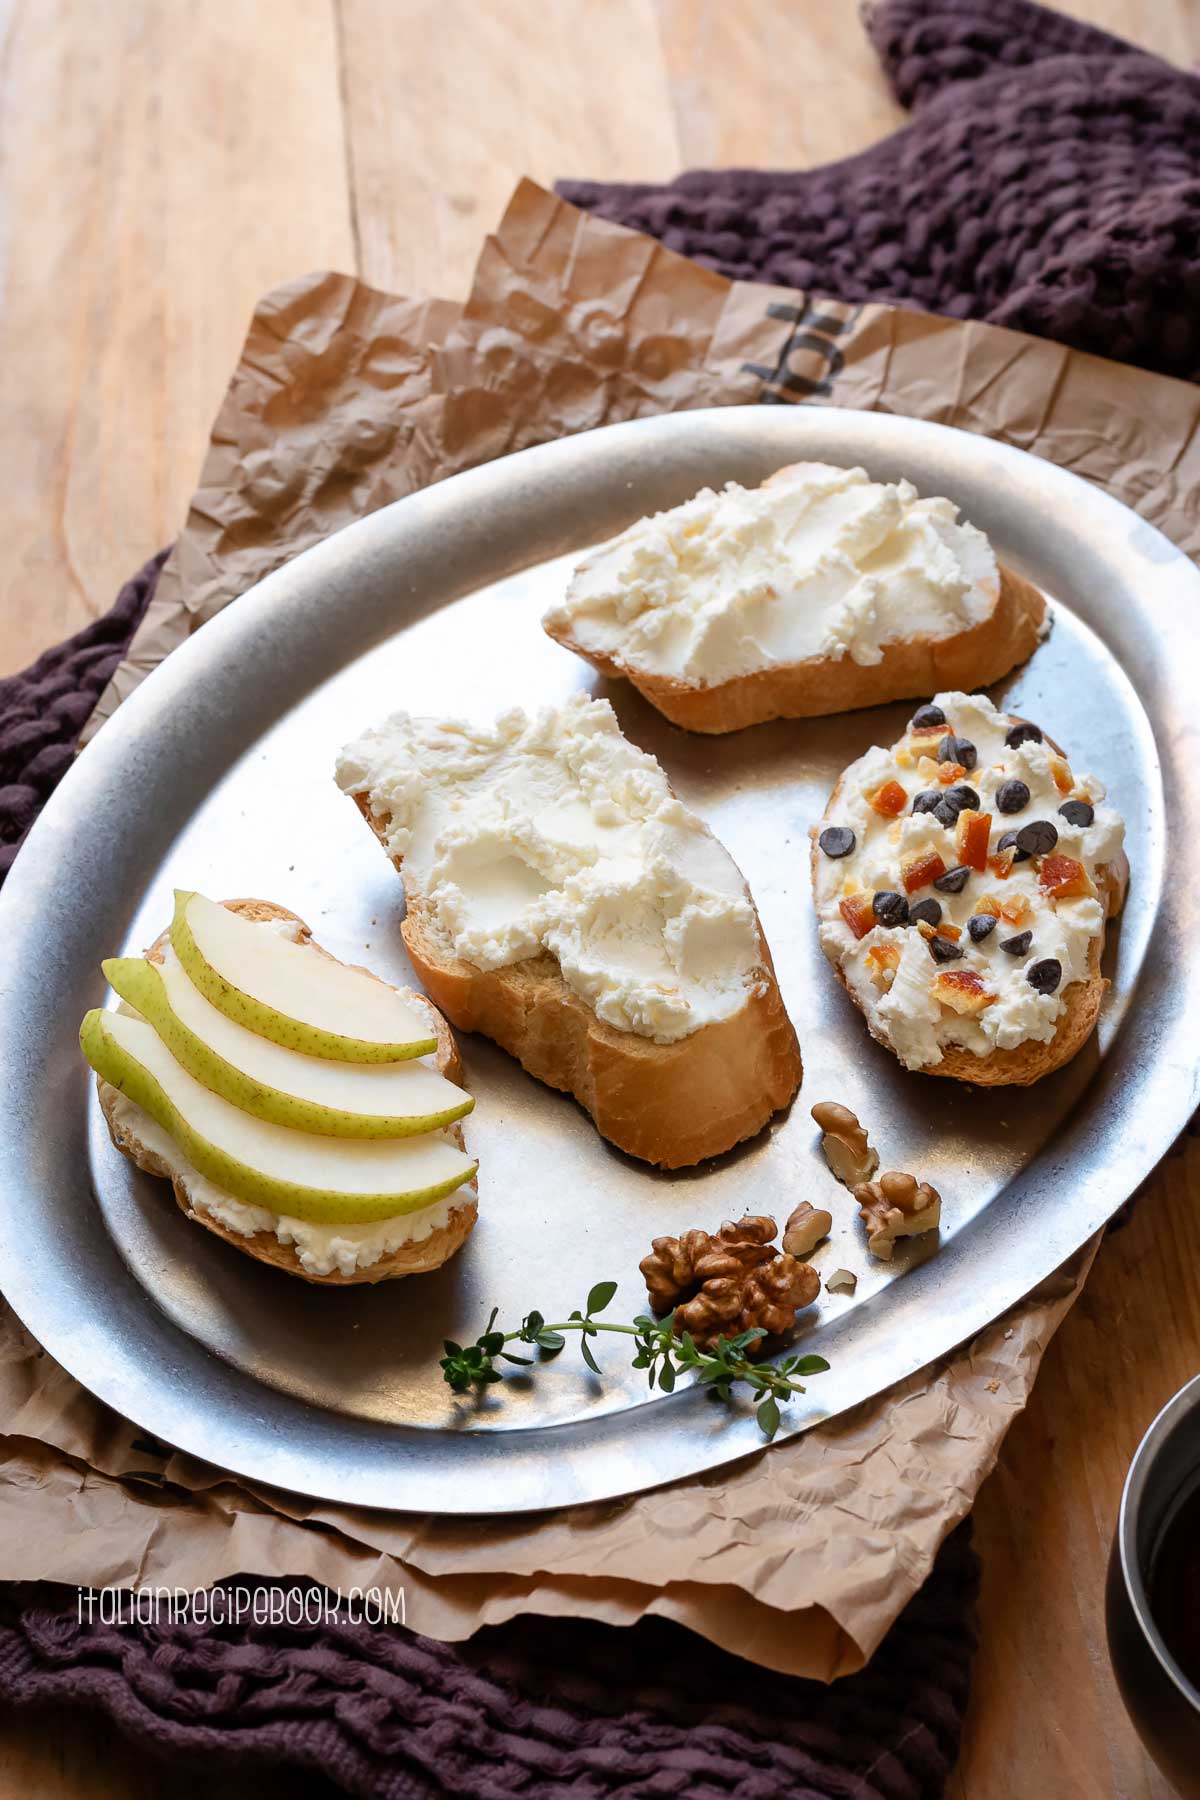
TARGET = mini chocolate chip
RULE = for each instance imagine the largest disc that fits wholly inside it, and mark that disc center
(944, 949)
(1017, 946)
(981, 925)
(1011, 797)
(1077, 812)
(957, 750)
(1023, 733)
(962, 795)
(954, 880)
(928, 800)
(890, 908)
(925, 912)
(1037, 839)
(928, 715)
(1045, 975)
(1009, 842)
(837, 840)
(946, 813)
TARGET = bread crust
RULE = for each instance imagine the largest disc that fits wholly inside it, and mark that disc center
(668, 1104)
(264, 1246)
(1028, 1062)
(818, 686)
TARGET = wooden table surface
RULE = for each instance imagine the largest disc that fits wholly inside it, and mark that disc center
(161, 164)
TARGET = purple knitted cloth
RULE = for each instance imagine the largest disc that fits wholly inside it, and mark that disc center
(540, 1707)
(45, 707)
(1051, 182)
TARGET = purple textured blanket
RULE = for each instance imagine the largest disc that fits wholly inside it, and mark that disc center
(1050, 181)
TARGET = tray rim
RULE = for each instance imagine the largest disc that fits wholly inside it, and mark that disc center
(303, 1449)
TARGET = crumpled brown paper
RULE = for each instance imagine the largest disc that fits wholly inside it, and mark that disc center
(801, 1556)
(346, 399)
(798, 1557)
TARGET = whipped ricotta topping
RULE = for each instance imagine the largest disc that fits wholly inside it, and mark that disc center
(822, 562)
(891, 969)
(552, 833)
(320, 1249)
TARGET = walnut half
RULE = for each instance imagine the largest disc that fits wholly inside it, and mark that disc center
(844, 1142)
(896, 1206)
(729, 1282)
(805, 1228)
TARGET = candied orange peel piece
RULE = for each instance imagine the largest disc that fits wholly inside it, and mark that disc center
(918, 870)
(1064, 781)
(1064, 878)
(889, 801)
(962, 990)
(971, 834)
(883, 960)
(857, 911)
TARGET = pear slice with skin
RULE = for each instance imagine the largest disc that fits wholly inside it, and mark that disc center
(306, 1093)
(322, 1180)
(281, 990)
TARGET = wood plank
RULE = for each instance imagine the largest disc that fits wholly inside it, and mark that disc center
(1045, 1714)
(450, 105)
(160, 165)
(769, 84)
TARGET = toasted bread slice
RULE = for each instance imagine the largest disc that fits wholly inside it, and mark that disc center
(909, 667)
(413, 1258)
(668, 1104)
(1027, 1062)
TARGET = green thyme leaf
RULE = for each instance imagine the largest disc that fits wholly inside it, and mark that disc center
(768, 1416)
(600, 1296)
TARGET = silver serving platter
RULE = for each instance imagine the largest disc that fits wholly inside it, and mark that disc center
(217, 774)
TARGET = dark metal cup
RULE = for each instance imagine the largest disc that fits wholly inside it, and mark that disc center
(1162, 1702)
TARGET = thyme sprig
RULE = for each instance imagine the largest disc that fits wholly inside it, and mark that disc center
(657, 1349)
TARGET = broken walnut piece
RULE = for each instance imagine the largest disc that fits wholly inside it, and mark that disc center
(719, 1285)
(805, 1228)
(896, 1206)
(844, 1142)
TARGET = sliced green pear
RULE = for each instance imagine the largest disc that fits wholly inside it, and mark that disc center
(286, 992)
(323, 1180)
(307, 1093)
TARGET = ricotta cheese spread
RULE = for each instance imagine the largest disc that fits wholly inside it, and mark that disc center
(320, 1249)
(821, 562)
(552, 833)
(903, 904)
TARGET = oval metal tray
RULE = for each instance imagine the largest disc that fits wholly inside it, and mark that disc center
(217, 774)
